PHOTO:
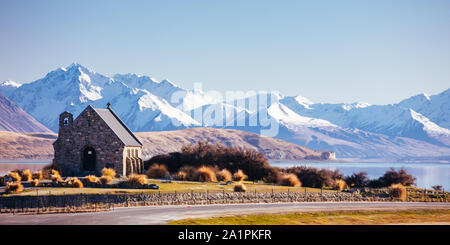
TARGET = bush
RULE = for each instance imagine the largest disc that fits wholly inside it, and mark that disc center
(289, 180)
(105, 179)
(55, 176)
(205, 174)
(75, 182)
(224, 175)
(14, 176)
(240, 187)
(398, 191)
(52, 166)
(14, 187)
(340, 184)
(157, 171)
(136, 180)
(38, 175)
(252, 162)
(190, 172)
(313, 177)
(401, 177)
(34, 182)
(181, 175)
(437, 187)
(239, 176)
(26, 175)
(357, 179)
(109, 172)
(91, 179)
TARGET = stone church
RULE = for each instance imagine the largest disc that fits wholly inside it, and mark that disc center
(96, 139)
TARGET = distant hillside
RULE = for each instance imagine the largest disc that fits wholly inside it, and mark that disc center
(14, 119)
(39, 146)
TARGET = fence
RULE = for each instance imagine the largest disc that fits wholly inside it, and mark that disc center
(99, 202)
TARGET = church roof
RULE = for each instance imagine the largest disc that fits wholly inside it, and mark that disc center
(118, 127)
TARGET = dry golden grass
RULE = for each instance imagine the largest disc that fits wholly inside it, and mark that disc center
(26, 175)
(38, 175)
(109, 172)
(35, 182)
(224, 175)
(205, 174)
(157, 171)
(340, 185)
(13, 187)
(240, 187)
(105, 179)
(398, 191)
(181, 175)
(239, 176)
(91, 179)
(55, 176)
(74, 182)
(14, 176)
(136, 180)
(289, 180)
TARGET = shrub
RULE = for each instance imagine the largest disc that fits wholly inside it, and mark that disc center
(26, 175)
(136, 180)
(239, 176)
(190, 172)
(357, 179)
(393, 177)
(437, 187)
(289, 180)
(205, 174)
(181, 175)
(240, 187)
(224, 175)
(398, 191)
(251, 161)
(313, 177)
(91, 179)
(14, 187)
(52, 166)
(75, 182)
(35, 182)
(340, 184)
(14, 176)
(55, 176)
(109, 172)
(38, 175)
(105, 179)
(157, 171)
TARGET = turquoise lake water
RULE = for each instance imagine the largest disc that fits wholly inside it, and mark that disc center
(427, 174)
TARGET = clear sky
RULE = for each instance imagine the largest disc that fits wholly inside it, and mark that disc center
(328, 51)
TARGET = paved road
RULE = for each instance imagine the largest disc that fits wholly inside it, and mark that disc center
(163, 214)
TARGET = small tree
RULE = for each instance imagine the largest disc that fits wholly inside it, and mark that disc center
(357, 179)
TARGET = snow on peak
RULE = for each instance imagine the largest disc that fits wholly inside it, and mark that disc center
(305, 102)
(430, 127)
(10, 83)
(348, 107)
(285, 115)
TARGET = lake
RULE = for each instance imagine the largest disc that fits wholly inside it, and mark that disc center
(427, 174)
(6, 166)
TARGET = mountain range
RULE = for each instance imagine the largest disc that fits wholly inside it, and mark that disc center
(417, 128)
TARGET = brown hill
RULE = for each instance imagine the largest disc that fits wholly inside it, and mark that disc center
(39, 145)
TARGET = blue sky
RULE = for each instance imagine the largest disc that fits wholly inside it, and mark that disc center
(328, 51)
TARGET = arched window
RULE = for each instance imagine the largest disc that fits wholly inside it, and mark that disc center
(66, 121)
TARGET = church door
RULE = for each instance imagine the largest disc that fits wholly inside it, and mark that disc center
(89, 159)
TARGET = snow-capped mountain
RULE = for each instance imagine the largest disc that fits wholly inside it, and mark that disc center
(7, 87)
(417, 127)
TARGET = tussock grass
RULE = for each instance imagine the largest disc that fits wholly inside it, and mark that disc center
(34, 182)
(13, 187)
(157, 171)
(55, 176)
(239, 175)
(289, 180)
(91, 179)
(26, 175)
(109, 172)
(224, 175)
(240, 187)
(74, 182)
(105, 179)
(340, 185)
(205, 174)
(15, 176)
(398, 191)
(136, 180)
(38, 175)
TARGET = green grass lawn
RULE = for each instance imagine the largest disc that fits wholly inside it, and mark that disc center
(165, 187)
(329, 218)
